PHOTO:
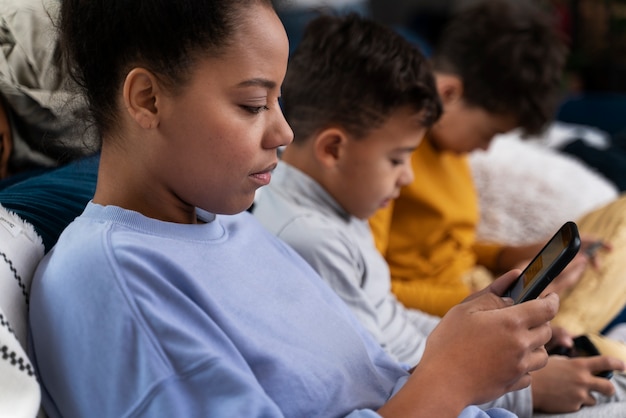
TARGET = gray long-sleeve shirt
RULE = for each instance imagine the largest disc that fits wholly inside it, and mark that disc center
(341, 248)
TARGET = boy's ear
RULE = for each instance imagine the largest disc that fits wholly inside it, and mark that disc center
(328, 145)
(450, 88)
(141, 90)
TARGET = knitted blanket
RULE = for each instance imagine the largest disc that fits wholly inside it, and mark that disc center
(20, 251)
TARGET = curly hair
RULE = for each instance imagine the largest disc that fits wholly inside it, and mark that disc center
(510, 58)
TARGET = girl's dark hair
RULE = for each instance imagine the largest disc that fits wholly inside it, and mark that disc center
(352, 72)
(510, 58)
(102, 40)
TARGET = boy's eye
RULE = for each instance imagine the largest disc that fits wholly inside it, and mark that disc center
(255, 109)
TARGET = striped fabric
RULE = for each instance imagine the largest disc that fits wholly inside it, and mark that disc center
(20, 251)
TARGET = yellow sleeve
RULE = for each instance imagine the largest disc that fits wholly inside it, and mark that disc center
(434, 298)
(487, 255)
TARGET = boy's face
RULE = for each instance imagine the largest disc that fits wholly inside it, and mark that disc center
(371, 170)
(464, 128)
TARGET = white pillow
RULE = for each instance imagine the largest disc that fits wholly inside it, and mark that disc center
(526, 191)
(21, 249)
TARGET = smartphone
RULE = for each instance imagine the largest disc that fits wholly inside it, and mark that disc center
(546, 265)
(583, 347)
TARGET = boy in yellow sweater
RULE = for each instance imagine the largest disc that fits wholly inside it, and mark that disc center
(498, 66)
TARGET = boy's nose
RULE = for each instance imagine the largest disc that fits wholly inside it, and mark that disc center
(407, 176)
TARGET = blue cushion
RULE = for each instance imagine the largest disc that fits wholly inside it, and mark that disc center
(50, 201)
(599, 109)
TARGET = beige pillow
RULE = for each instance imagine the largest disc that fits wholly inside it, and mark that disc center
(600, 295)
(609, 347)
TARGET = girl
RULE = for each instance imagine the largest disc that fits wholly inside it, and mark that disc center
(165, 298)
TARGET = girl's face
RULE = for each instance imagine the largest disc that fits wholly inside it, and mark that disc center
(220, 134)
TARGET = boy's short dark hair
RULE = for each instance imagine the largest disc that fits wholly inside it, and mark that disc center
(509, 56)
(351, 72)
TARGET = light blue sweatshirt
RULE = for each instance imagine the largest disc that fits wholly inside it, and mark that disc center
(131, 316)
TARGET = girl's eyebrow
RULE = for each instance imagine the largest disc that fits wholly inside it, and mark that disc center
(262, 82)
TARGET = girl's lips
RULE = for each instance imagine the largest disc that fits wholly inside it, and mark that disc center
(262, 178)
(265, 176)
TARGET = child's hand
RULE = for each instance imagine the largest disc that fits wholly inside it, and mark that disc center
(560, 338)
(569, 277)
(565, 384)
(590, 247)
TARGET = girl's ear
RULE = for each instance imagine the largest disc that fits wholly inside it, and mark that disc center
(329, 146)
(141, 91)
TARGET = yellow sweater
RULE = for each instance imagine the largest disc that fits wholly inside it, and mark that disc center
(428, 234)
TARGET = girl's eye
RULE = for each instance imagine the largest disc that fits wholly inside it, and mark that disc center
(396, 162)
(255, 109)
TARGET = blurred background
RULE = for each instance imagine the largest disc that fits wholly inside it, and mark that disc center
(594, 85)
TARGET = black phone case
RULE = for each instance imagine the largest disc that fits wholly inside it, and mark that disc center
(567, 254)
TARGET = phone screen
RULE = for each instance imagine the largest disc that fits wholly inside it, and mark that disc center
(550, 261)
